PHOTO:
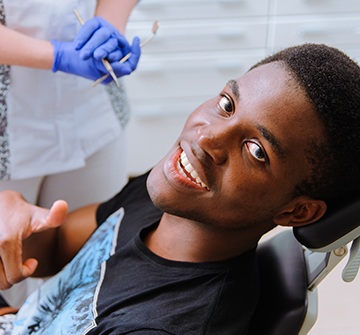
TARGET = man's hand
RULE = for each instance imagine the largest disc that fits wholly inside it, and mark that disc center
(18, 221)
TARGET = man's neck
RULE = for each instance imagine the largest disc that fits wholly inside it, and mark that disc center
(180, 239)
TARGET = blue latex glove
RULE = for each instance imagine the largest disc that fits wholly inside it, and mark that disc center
(67, 59)
(99, 39)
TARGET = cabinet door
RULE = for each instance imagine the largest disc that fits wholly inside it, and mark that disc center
(298, 7)
(203, 35)
(189, 77)
(341, 31)
(198, 9)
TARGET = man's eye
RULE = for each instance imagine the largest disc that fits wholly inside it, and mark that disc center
(256, 151)
(226, 104)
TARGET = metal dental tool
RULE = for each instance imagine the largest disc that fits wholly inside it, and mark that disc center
(104, 61)
(126, 57)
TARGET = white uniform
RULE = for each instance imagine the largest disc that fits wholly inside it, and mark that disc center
(55, 121)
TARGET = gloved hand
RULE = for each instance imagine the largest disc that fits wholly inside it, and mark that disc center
(67, 59)
(99, 39)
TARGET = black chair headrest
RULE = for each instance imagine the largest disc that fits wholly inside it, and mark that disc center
(283, 300)
(339, 226)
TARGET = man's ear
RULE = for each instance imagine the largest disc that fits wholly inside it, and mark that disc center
(300, 211)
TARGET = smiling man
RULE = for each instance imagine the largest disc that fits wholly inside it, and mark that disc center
(174, 251)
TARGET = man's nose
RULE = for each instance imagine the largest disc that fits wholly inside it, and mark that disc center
(215, 141)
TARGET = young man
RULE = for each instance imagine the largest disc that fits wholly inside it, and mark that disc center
(174, 251)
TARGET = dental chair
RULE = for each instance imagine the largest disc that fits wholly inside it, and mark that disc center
(295, 261)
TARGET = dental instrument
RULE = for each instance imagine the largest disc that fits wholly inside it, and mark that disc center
(126, 57)
(104, 61)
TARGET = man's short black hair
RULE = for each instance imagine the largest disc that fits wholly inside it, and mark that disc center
(331, 81)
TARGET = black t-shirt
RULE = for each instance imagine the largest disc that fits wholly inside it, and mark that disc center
(115, 285)
(147, 294)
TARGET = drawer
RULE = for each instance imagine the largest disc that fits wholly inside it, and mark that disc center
(152, 109)
(296, 7)
(338, 31)
(198, 9)
(186, 75)
(202, 35)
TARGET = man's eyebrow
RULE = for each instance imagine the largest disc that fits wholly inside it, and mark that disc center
(234, 86)
(275, 144)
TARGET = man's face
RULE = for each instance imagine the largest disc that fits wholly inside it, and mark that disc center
(240, 155)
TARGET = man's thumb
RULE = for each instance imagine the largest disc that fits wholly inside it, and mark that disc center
(57, 214)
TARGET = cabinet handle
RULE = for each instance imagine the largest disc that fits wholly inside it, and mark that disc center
(150, 69)
(229, 65)
(230, 33)
(150, 113)
(327, 30)
(232, 2)
(312, 30)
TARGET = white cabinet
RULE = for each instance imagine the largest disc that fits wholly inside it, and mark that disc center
(162, 78)
(182, 10)
(311, 7)
(333, 22)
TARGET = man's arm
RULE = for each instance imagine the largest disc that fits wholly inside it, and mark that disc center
(75, 231)
(35, 240)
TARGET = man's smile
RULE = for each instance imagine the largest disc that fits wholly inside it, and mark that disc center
(187, 170)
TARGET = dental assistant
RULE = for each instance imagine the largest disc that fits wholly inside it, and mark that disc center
(59, 136)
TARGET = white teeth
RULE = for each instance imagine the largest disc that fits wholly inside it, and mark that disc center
(184, 159)
(184, 164)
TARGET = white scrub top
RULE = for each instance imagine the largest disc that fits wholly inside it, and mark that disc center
(54, 120)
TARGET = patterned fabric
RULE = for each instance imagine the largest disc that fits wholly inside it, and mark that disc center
(6, 324)
(119, 102)
(4, 86)
(66, 303)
